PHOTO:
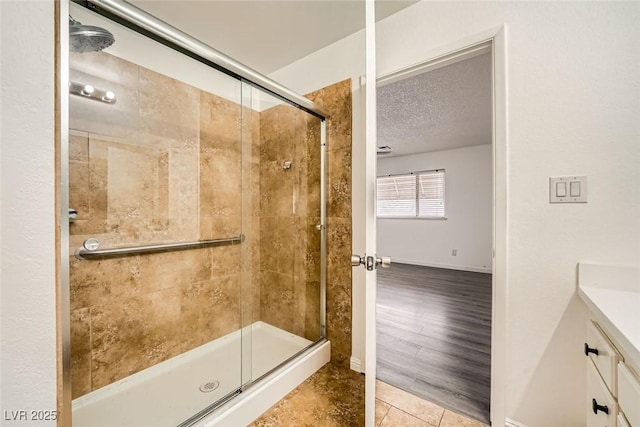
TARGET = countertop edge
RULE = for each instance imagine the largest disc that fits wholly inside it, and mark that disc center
(628, 349)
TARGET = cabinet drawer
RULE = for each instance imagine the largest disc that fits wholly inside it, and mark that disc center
(606, 358)
(605, 414)
(629, 394)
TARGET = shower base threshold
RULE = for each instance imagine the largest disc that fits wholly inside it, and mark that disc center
(250, 404)
(172, 391)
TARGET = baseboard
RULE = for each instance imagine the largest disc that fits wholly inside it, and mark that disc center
(511, 423)
(447, 266)
(356, 364)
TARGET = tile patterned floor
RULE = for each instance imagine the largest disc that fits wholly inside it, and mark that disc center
(334, 397)
(395, 408)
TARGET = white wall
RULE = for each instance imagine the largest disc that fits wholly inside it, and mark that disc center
(468, 206)
(27, 222)
(573, 99)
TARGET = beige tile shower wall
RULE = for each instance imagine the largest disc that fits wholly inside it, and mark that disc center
(336, 100)
(282, 216)
(250, 256)
(165, 163)
(290, 210)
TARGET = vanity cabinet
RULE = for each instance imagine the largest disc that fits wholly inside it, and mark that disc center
(612, 295)
(613, 389)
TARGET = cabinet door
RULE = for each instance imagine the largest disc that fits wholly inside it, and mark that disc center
(606, 358)
(606, 411)
(629, 398)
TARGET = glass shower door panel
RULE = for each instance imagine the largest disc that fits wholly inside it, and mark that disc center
(286, 238)
(157, 159)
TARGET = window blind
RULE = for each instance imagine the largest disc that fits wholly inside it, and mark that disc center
(414, 195)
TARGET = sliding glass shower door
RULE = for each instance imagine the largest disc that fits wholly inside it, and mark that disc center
(155, 162)
(286, 230)
(196, 230)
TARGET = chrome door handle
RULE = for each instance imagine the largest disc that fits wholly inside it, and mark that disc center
(356, 260)
(370, 262)
(384, 262)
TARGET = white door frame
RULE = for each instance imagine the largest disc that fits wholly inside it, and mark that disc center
(497, 38)
(370, 166)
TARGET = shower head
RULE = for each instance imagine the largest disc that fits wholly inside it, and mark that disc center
(87, 38)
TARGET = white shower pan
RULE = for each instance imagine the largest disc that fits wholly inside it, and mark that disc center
(172, 391)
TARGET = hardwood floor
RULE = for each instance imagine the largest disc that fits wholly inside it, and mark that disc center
(434, 335)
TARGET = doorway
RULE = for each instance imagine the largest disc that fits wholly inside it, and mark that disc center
(435, 193)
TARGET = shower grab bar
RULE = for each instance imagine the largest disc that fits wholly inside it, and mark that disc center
(83, 253)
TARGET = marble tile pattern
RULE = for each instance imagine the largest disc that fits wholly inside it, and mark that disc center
(336, 100)
(163, 164)
(167, 163)
(334, 396)
(289, 212)
(286, 235)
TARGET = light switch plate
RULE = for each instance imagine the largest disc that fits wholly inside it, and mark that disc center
(568, 189)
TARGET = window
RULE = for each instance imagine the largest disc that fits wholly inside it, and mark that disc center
(415, 195)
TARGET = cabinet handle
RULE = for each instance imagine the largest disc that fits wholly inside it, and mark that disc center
(588, 350)
(596, 407)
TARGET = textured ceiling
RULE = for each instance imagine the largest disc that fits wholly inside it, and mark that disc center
(266, 35)
(449, 107)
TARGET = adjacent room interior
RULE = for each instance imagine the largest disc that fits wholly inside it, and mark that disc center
(434, 209)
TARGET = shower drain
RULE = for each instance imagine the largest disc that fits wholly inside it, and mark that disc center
(209, 386)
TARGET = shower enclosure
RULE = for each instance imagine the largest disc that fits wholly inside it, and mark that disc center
(196, 226)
